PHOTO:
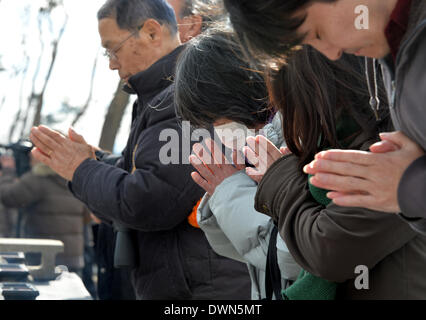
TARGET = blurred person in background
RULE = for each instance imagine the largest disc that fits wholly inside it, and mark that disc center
(195, 16)
(8, 216)
(51, 211)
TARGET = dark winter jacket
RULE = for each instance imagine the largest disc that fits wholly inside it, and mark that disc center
(406, 86)
(332, 241)
(155, 198)
(8, 216)
(113, 283)
(51, 211)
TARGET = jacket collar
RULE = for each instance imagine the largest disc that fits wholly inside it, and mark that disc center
(417, 14)
(397, 26)
(146, 84)
(417, 17)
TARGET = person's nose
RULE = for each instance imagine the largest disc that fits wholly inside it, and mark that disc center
(331, 52)
(113, 64)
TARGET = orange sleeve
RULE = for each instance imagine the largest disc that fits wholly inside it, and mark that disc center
(192, 218)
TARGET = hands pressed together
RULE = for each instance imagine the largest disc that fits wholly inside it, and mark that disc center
(366, 179)
(213, 167)
(262, 153)
(356, 178)
(62, 154)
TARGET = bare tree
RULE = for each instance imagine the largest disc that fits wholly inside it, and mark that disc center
(113, 118)
(40, 96)
(24, 72)
(89, 98)
(33, 94)
(36, 99)
(21, 98)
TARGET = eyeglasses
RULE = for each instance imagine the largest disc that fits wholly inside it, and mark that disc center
(111, 54)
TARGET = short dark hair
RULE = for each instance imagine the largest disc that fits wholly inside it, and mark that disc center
(268, 27)
(213, 82)
(210, 10)
(130, 14)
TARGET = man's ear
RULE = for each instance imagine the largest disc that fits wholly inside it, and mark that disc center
(192, 26)
(153, 32)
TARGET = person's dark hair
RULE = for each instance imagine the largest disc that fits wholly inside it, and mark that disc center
(211, 11)
(313, 94)
(130, 14)
(213, 82)
(268, 28)
(187, 9)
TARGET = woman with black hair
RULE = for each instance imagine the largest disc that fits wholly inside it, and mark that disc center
(324, 105)
(214, 85)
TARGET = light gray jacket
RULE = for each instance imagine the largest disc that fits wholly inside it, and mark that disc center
(406, 86)
(236, 230)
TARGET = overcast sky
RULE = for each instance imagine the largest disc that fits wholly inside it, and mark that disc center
(71, 74)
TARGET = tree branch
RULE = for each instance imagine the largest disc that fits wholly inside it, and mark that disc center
(89, 98)
(37, 116)
(113, 118)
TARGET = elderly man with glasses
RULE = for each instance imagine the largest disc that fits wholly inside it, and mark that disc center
(148, 199)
